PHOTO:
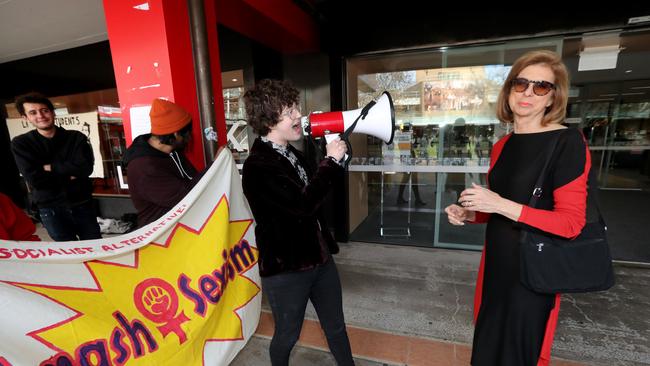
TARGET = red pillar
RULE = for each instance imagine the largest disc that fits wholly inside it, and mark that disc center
(152, 57)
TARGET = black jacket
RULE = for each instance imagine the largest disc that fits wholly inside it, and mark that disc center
(70, 155)
(287, 213)
(157, 181)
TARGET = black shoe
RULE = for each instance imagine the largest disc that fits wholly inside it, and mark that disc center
(401, 201)
(420, 203)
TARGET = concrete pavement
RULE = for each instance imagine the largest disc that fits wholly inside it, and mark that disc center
(427, 294)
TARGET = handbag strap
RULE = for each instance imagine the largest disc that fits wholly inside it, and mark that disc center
(537, 190)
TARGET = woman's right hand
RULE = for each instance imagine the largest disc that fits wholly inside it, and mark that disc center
(457, 215)
(337, 149)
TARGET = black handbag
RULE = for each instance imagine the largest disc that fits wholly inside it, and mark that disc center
(551, 264)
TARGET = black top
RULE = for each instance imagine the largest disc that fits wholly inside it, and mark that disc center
(70, 155)
(520, 163)
(512, 319)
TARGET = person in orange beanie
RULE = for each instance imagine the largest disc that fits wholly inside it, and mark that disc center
(159, 174)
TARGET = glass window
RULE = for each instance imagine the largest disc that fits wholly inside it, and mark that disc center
(233, 103)
(444, 104)
(113, 148)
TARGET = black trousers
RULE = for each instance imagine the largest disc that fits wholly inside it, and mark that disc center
(78, 222)
(288, 294)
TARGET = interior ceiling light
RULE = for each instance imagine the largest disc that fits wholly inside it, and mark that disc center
(637, 20)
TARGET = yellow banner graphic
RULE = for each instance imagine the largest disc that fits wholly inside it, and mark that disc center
(182, 291)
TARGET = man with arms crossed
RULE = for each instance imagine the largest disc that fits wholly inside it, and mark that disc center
(56, 164)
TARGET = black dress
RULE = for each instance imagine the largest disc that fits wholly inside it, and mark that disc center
(512, 320)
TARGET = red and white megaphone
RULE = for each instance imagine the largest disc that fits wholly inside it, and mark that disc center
(377, 119)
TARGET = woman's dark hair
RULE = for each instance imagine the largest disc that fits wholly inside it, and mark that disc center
(265, 102)
(32, 97)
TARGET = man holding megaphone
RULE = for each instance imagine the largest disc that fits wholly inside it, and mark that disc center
(286, 194)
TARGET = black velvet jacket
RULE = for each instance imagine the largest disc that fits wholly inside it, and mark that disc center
(287, 213)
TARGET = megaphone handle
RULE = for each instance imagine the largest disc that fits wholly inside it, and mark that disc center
(333, 136)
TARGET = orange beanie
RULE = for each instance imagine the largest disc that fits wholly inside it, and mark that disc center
(167, 117)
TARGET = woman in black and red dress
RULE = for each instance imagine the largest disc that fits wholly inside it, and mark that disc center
(514, 325)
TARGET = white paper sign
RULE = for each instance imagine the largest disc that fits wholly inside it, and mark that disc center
(140, 121)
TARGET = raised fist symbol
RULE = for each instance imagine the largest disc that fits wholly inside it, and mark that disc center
(156, 299)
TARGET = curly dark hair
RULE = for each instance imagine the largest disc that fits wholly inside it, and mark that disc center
(265, 102)
(32, 97)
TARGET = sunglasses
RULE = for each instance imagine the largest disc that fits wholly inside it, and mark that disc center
(540, 88)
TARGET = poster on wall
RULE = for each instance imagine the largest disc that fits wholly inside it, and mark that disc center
(85, 123)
